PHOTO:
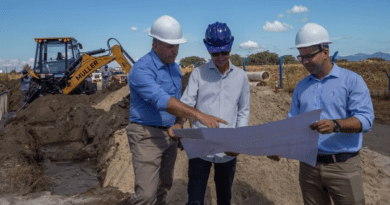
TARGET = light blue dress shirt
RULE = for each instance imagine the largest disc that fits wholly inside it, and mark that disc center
(341, 94)
(225, 96)
(152, 84)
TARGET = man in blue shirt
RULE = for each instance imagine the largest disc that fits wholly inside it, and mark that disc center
(347, 113)
(221, 89)
(155, 87)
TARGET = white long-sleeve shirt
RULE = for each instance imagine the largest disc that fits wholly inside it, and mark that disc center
(225, 96)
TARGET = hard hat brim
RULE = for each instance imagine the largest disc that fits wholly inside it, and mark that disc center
(311, 44)
(170, 41)
(217, 49)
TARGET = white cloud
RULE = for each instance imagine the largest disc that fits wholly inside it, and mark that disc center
(252, 46)
(146, 30)
(305, 19)
(276, 26)
(298, 9)
(280, 15)
(134, 29)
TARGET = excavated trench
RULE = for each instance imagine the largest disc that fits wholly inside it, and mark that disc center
(64, 136)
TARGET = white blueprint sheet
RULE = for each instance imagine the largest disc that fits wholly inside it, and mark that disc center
(290, 138)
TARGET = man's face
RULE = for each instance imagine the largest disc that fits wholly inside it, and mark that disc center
(314, 60)
(166, 52)
(220, 59)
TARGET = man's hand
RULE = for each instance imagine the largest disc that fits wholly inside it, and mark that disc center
(274, 157)
(210, 121)
(170, 131)
(324, 126)
(232, 154)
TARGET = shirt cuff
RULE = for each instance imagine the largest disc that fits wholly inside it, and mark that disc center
(366, 124)
(163, 102)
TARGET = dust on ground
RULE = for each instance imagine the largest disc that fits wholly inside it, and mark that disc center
(93, 127)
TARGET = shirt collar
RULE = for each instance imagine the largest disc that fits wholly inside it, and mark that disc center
(335, 72)
(214, 67)
(157, 61)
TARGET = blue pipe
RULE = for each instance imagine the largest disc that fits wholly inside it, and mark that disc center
(334, 57)
(244, 64)
(281, 71)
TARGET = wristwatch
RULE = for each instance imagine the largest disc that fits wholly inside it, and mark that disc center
(336, 126)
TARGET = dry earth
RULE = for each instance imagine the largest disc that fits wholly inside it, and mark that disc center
(96, 124)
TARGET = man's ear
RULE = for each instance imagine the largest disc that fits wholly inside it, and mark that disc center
(326, 53)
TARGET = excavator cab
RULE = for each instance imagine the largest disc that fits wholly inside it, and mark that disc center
(52, 58)
(54, 55)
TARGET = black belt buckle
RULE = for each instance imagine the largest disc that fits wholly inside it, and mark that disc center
(158, 127)
(154, 126)
(341, 157)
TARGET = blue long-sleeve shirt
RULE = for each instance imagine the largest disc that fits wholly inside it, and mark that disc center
(341, 94)
(152, 84)
(226, 96)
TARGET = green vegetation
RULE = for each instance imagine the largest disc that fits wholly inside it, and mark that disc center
(192, 60)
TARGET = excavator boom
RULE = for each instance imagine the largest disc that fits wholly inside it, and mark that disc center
(90, 64)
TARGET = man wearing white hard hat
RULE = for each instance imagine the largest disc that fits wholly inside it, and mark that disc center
(155, 87)
(347, 113)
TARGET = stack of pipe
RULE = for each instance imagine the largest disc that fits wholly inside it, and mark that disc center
(258, 78)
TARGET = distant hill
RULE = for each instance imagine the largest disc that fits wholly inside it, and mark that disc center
(362, 56)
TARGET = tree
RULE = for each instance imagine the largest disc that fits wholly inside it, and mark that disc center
(376, 59)
(237, 60)
(192, 60)
(341, 60)
(289, 59)
(263, 58)
(27, 67)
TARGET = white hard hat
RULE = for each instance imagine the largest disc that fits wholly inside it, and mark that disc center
(168, 30)
(311, 34)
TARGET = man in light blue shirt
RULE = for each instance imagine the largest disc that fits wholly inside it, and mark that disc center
(347, 113)
(155, 109)
(221, 89)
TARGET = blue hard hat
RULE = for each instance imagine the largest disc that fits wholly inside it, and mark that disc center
(24, 72)
(106, 66)
(218, 38)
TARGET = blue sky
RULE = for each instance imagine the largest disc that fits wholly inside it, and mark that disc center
(354, 26)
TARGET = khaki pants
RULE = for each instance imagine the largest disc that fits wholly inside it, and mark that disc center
(154, 154)
(341, 181)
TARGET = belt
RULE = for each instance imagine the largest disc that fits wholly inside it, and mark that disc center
(341, 157)
(154, 126)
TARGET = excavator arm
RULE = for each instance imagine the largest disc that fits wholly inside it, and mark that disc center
(90, 63)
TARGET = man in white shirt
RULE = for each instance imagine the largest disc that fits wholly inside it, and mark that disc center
(221, 89)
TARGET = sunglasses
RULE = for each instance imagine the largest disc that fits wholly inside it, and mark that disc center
(309, 56)
(223, 53)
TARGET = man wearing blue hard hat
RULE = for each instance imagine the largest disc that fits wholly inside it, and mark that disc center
(25, 81)
(220, 89)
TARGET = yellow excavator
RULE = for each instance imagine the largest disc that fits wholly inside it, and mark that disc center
(60, 67)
